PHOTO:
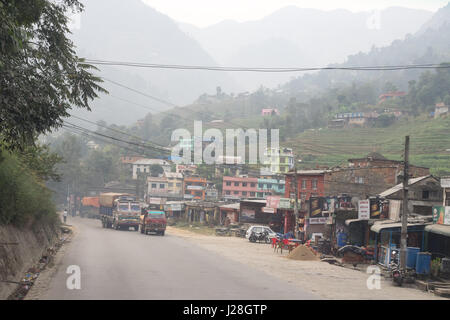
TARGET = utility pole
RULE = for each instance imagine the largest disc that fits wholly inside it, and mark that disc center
(296, 200)
(404, 235)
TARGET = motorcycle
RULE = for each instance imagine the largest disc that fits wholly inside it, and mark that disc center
(259, 236)
(396, 272)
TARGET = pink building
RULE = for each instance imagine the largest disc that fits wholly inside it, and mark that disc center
(239, 187)
(269, 112)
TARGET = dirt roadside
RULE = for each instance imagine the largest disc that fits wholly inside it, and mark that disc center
(321, 278)
(42, 283)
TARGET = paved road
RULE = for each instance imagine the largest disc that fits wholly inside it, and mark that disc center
(129, 265)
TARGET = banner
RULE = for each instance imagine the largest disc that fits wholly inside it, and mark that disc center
(375, 209)
(441, 215)
(315, 207)
(247, 215)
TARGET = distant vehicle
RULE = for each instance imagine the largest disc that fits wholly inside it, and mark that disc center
(260, 229)
(119, 211)
(153, 221)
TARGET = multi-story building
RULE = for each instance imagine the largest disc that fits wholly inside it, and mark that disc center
(270, 186)
(157, 187)
(194, 188)
(279, 161)
(142, 166)
(310, 183)
(174, 184)
(239, 187)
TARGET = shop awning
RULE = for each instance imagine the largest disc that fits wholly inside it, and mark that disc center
(439, 229)
(380, 226)
(349, 221)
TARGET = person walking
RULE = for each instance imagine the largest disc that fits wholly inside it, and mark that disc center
(65, 215)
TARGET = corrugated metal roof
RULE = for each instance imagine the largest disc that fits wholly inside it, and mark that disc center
(439, 229)
(399, 187)
(386, 225)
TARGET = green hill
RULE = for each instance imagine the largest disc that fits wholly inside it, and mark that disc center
(429, 138)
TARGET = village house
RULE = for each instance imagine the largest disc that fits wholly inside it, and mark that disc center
(440, 110)
(174, 184)
(269, 112)
(239, 187)
(368, 176)
(157, 187)
(390, 95)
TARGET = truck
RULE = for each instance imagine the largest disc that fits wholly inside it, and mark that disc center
(153, 221)
(119, 211)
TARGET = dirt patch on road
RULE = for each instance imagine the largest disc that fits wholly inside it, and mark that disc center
(320, 278)
(302, 253)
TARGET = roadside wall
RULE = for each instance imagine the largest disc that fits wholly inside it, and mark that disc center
(20, 249)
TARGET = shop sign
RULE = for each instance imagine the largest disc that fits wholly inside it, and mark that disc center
(316, 205)
(318, 220)
(268, 210)
(445, 182)
(364, 209)
(441, 215)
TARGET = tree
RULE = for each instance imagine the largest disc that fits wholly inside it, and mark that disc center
(156, 170)
(41, 77)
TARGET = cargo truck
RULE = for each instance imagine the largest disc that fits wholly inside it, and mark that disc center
(119, 211)
(153, 221)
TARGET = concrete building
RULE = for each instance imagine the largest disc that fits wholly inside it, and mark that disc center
(271, 186)
(194, 188)
(174, 184)
(239, 187)
(279, 161)
(143, 166)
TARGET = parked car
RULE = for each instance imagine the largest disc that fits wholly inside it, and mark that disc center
(260, 229)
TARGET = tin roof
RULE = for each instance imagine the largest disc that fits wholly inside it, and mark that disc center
(399, 187)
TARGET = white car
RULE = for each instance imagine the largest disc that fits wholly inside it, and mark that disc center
(251, 229)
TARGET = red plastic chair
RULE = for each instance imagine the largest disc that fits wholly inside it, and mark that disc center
(274, 242)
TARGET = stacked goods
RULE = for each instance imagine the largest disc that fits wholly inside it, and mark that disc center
(90, 202)
(107, 199)
(302, 253)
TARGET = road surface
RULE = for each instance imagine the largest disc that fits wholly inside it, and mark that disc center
(130, 265)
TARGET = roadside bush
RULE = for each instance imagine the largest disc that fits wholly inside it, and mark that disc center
(23, 196)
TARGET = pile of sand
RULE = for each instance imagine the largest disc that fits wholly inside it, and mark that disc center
(302, 253)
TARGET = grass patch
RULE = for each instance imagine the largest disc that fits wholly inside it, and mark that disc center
(195, 227)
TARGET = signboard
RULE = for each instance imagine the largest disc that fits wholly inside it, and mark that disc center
(364, 209)
(315, 207)
(438, 214)
(445, 182)
(375, 209)
(247, 215)
(268, 210)
(156, 201)
(273, 202)
(394, 209)
(286, 203)
(318, 220)
(447, 216)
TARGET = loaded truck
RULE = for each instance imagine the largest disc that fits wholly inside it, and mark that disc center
(153, 221)
(119, 211)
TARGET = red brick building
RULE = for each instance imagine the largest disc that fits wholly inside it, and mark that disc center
(310, 183)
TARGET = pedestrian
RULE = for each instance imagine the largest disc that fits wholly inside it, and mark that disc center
(65, 215)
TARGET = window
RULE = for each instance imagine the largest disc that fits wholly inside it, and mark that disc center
(153, 185)
(178, 184)
(303, 184)
(425, 194)
(269, 186)
(260, 194)
(236, 192)
(260, 185)
(303, 196)
(228, 183)
(252, 194)
(244, 184)
(244, 193)
(171, 185)
(359, 180)
(162, 186)
(314, 184)
(236, 184)
(228, 192)
(253, 185)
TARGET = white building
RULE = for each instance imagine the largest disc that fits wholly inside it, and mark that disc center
(143, 166)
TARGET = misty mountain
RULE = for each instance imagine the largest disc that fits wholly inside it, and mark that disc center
(431, 44)
(311, 37)
(132, 31)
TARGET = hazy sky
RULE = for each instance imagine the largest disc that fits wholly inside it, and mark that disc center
(206, 12)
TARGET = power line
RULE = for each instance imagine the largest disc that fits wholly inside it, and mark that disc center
(265, 69)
